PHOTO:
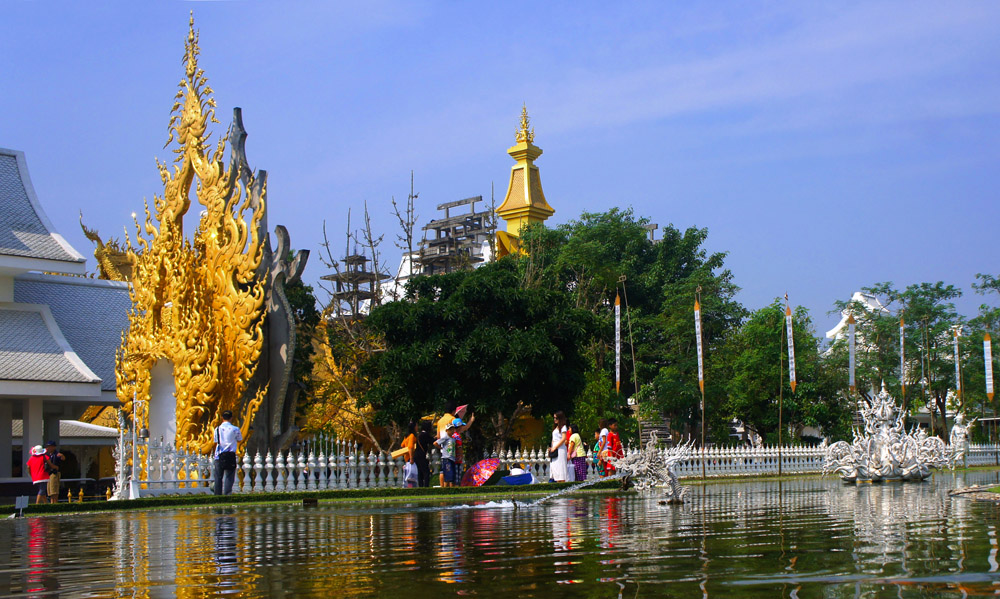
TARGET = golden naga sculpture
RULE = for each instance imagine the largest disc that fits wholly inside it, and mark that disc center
(113, 263)
(198, 305)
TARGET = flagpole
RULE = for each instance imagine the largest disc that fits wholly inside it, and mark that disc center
(781, 385)
(618, 343)
(791, 375)
(902, 363)
(988, 354)
(701, 371)
(852, 384)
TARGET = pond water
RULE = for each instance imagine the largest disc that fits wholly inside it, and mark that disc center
(799, 538)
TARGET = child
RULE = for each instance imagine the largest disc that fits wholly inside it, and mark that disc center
(449, 446)
(612, 446)
(598, 460)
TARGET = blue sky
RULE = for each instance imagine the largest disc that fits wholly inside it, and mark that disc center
(825, 146)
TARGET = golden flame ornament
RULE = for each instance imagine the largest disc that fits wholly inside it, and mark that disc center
(197, 304)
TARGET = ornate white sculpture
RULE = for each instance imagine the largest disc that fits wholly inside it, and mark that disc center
(654, 468)
(884, 451)
(958, 441)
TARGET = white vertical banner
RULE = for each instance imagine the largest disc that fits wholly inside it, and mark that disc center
(902, 354)
(697, 334)
(618, 343)
(958, 368)
(791, 345)
(850, 353)
(988, 355)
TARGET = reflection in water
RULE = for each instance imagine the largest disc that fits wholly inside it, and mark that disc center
(799, 538)
(43, 557)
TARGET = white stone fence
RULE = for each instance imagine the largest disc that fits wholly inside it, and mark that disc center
(343, 465)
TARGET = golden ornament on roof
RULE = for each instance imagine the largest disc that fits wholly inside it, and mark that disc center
(525, 133)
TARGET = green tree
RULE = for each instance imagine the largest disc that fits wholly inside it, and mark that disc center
(593, 257)
(303, 304)
(758, 360)
(478, 337)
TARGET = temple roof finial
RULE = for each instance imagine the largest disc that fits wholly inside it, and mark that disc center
(526, 133)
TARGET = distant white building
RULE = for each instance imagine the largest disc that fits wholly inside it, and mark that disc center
(870, 303)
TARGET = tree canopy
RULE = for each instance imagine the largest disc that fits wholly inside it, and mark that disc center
(482, 338)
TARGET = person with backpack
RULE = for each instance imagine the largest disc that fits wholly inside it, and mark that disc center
(227, 437)
(425, 441)
(53, 462)
(39, 473)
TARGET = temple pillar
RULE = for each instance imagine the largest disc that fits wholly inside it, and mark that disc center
(50, 428)
(6, 439)
(162, 411)
(31, 417)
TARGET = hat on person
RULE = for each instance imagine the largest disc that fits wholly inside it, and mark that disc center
(456, 422)
(51, 444)
(37, 450)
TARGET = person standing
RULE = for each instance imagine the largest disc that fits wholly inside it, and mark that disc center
(577, 454)
(53, 461)
(557, 450)
(227, 436)
(448, 450)
(410, 472)
(39, 475)
(424, 442)
(613, 447)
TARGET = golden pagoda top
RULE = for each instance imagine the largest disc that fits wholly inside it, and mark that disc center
(526, 133)
(524, 203)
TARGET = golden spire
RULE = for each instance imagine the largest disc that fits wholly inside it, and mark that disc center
(197, 303)
(525, 202)
(526, 133)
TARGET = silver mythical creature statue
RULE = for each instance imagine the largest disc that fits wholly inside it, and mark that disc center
(653, 468)
(883, 450)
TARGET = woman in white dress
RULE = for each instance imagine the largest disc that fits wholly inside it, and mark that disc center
(557, 464)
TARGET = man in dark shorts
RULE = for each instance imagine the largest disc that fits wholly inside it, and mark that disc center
(54, 461)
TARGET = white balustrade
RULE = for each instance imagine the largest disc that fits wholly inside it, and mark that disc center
(342, 465)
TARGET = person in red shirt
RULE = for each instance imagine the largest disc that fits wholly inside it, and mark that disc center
(612, 447)
(39, 476)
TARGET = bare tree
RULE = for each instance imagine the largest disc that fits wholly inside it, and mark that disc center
(407, 218)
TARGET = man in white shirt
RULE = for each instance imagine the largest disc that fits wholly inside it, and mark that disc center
(226, 437)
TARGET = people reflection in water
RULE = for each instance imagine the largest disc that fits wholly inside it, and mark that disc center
(226, 558)
(610, 522)
(43, 558)
(451, 557)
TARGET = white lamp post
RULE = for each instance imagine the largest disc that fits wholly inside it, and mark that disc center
(133, 486)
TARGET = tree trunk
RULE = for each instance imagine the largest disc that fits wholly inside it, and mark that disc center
(941, 401)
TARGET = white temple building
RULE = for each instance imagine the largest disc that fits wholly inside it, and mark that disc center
(59, 330)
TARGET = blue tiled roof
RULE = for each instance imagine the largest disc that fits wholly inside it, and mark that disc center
(91, 313)
(30, 352)
(24, 230)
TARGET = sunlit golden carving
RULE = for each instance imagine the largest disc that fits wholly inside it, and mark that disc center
(198, 304)
(113, 263)
(525, 132)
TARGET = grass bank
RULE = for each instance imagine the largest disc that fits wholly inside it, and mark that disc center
(384, 494)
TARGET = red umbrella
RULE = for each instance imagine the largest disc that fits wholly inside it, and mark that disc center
(480, 472)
